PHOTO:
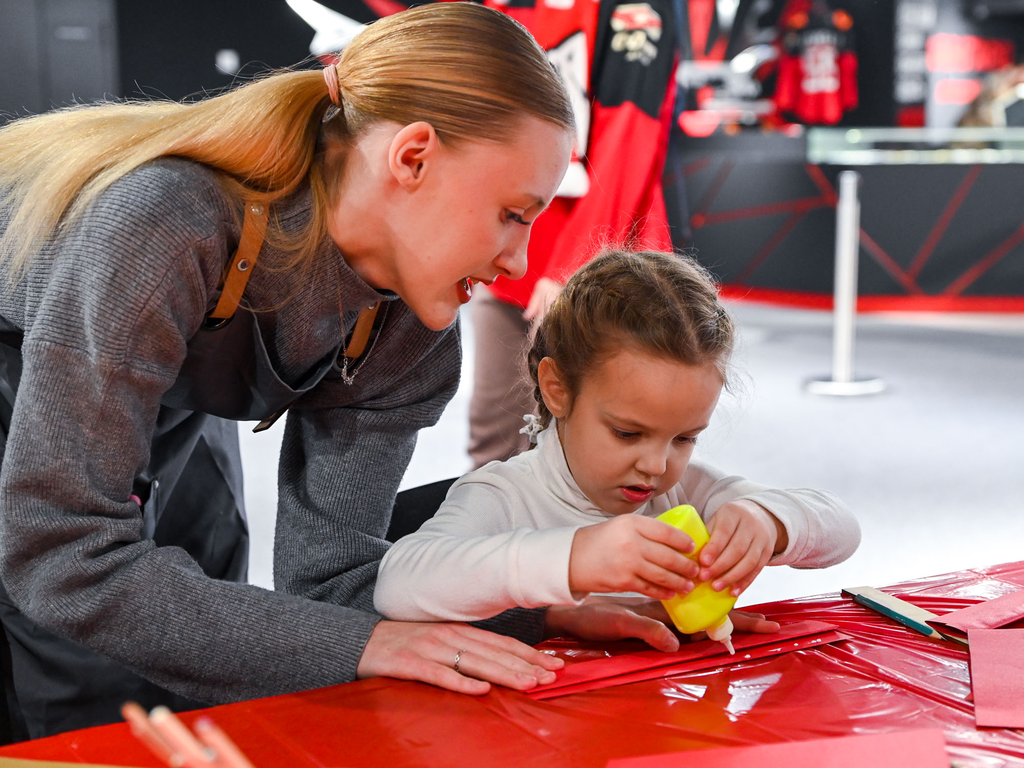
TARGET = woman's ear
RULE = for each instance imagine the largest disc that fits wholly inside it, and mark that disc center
(556, 395)
(412, 151)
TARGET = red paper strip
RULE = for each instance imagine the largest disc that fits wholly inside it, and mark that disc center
(924, 748)
(600, 669)
(698, 665)
(989, 614)
(997, 677)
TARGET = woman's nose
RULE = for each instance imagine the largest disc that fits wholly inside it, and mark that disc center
(512, 260)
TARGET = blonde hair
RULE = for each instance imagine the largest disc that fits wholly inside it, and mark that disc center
(467, 70)
(664, 304)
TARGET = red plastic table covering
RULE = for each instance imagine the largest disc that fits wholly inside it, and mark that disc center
(885, 678)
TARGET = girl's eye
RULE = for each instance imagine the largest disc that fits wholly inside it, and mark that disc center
(518, 219)
(624, 435)
(685, 439)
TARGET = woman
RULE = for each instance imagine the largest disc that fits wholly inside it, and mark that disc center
(132, 336)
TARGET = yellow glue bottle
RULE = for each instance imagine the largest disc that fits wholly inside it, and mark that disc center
(703, 609)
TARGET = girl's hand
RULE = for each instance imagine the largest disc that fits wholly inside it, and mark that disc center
(632, 553)
(744, 536)
(427, 652)
(544, 294)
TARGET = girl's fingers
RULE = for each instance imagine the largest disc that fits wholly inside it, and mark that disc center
(744, 571)
(662, 533)
(668, 558)
(722, 528)
(653, 591)
(747, 565)
(742, 584)
(667, 581)
(731, 554)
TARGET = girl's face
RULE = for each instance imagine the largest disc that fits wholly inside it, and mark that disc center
(449, 216)
(631, 428)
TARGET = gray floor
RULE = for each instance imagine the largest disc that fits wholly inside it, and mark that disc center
(932, 466)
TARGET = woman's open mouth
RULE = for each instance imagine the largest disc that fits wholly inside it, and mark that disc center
(636, 494)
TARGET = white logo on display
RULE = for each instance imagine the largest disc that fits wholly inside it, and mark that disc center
(570, 61)
(636, 25)
(821, 70)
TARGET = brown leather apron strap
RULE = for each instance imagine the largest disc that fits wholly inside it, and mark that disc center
(254, 228)
(361, 333)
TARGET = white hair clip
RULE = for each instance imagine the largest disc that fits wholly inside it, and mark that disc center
(533, 427)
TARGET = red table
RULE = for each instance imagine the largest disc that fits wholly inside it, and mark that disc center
(885, 678)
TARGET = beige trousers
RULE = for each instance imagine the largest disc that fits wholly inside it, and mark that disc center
(502, 393)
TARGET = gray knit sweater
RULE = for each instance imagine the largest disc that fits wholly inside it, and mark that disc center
(106, 317)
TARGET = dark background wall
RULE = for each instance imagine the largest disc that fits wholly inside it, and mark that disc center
(874, 29)
(53, 52)
(169, 48)
(56, 52)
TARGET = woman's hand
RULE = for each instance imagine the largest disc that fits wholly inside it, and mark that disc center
(428, 651)
(632, 553)
(613, 618)
(744, 536)
(745, 621)
(619, 618)
(544, 294)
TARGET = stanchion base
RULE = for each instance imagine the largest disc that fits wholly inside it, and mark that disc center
(824, 386)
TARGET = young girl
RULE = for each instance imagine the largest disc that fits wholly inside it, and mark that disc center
(628, 366)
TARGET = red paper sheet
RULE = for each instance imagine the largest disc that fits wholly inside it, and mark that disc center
(997, 677)
(989, 614)
(698, 665)
(925, 748)
(706, 654)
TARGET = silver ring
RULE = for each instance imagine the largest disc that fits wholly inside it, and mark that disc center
(458, 656)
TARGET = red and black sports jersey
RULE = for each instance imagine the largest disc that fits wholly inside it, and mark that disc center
(624, 90)
(618, 60)
(817, 73)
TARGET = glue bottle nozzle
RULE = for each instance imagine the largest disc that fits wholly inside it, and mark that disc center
(723, 634)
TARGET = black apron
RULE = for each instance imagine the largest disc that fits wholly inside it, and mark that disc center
(192, 498)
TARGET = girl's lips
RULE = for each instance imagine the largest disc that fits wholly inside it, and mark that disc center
(635, 494)
(465, 289)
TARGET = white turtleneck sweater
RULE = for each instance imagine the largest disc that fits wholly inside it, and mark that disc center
(504, 534)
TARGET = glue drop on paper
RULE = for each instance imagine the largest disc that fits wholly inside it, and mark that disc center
(703, 609)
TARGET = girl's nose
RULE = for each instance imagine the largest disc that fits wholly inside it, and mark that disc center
(652, 462)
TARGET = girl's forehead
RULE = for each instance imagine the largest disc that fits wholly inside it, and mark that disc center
(633, 360)
(661, 402)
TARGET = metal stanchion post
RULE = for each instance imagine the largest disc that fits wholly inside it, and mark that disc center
(842, 381)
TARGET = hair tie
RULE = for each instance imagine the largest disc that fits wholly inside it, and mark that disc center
(331, 78)
(533, 427)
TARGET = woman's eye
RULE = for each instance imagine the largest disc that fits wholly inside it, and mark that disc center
(517, 218)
